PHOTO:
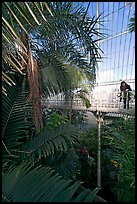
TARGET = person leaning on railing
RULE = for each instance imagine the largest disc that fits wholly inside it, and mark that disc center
(125, 94)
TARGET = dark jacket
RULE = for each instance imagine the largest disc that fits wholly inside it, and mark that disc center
(125, 90)
(126, 87)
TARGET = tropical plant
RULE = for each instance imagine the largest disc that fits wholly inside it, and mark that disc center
(56, 120)
(117, 158)
(45, 185)
(123, 145)
(62, 40)
(26, 143)
(25, 150)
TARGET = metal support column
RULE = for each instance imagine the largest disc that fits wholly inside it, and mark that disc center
(98, 117)
(100, 121)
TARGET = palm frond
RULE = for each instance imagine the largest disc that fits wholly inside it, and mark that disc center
(41, 184)
(84, 99)
(55, 23)
(18, 21)
(15, 120)
(65, 163)
(54, 75)
(31, 12)
(49, 141)
(16, 17)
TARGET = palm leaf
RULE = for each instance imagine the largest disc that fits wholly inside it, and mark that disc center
(48, 9)
(13, 32)
(54, 75)
(49, 141)
(36, 4)
(84, 99)
(18, 21)
(65, 163)
(15, 121)
(12, 23)
(63, 26)
(23, 14)
(8, 78)
(31, 12)
(86, 196)
(16, 61)
(40, 184)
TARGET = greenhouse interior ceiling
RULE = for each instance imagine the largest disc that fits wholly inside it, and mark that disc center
(117, 46)
(118, 63)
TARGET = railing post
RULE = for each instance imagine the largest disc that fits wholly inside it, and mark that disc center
(99, 122)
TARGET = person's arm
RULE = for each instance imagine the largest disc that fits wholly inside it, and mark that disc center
(130, 88)
(120, 96)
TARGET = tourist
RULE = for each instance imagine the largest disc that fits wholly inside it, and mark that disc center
(125, 94)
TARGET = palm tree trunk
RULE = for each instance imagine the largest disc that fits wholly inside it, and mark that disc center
(34, 83)
(35, 97)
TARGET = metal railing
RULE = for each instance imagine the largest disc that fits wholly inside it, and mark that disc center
(107, 100)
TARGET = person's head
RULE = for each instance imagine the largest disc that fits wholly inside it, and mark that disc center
(123, 83)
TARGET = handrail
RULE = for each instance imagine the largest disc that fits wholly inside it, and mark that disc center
(107, 100)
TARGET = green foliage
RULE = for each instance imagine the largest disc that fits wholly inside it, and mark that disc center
(65, 163)
(28, 181)
(26, 184)
(84, 99)
(60, 31)
(54, 75)
(56, 120)
(117, 158)
(16, 123)
(47, 141)
(89, 140)
(123, 145)
(77, 117)
(55, 32)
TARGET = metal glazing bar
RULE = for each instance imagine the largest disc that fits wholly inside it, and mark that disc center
(123, 19)
(125, 42)
(122, 66)
(111, 40)
(102, 47)
(133, 63)
(103, 24)
(115, 36)
(119, 59)
(92, 10)
(107, 42)
(97, 14)
(128, 52)
(114, 82)
(116, 10)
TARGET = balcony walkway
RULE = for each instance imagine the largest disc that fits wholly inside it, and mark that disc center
(91, 109)
(103, 106)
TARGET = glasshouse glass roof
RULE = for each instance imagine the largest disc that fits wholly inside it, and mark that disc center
(117, 61)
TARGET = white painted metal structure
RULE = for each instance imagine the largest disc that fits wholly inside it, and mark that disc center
(118, 60)
(118, 64)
